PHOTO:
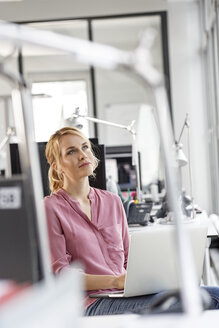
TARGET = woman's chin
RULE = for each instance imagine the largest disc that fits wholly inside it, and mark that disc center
(88, 171)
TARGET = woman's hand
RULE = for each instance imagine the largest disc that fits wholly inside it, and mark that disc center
(93, 282)
(119, 282)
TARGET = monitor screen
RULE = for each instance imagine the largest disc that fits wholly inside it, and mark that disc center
(119, 166)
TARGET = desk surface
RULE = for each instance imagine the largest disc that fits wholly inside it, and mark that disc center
(203, 216)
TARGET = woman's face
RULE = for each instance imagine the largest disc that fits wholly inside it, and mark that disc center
(76, 160)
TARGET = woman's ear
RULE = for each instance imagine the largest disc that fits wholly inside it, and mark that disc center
(54, 166)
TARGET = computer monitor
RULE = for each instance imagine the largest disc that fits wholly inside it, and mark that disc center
(99, 181)
(125, 173)
(16, 164)
(20, 256)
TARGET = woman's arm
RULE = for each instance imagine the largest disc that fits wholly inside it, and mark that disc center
(61, 259)
(93, 282)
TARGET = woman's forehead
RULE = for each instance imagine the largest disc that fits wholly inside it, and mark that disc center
(71, 140)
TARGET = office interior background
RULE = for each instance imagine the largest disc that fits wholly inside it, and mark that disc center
(185, 50)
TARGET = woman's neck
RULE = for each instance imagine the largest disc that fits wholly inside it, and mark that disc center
(79, 190)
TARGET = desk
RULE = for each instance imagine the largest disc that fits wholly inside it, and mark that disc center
(203, 216)
(206, 276)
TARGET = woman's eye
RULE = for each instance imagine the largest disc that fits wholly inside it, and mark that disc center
(70, 152)
(85, 147)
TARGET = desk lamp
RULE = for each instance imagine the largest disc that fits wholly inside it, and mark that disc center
(182, 161)
(135, 161)
(181, 158)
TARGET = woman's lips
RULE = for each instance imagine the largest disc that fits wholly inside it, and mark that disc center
(84, 164)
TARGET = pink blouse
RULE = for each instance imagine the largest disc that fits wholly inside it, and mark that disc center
(101, 244)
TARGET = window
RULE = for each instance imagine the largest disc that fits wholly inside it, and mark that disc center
(54, 103)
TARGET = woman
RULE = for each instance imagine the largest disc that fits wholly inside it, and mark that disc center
(88, 225)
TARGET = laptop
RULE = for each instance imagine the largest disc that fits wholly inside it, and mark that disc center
(152, 262)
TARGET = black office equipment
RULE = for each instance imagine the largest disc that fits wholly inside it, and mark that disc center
(16, 166)
(20, 258)
(137, 213)
(99, 181)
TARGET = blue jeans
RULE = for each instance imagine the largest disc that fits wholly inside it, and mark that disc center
(140, 304)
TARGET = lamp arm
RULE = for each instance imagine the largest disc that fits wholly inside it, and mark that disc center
(135, 160)
(10, 132)
(97, 120)
(4, 142)
(83, 51)
(185, 124)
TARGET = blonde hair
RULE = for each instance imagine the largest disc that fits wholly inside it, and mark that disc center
(53, 153)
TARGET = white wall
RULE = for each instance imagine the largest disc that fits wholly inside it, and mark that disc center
(188, 94)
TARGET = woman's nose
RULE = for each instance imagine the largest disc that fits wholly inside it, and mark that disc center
(82, 154)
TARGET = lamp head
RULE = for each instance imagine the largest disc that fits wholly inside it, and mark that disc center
(180, 156)
(76, 120)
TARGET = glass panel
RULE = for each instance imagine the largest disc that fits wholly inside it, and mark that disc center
(125, 33)
(40, 59)
(49, 72)
(121, 99)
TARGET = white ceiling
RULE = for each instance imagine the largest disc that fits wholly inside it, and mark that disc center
(32, 10)
(35, 10)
